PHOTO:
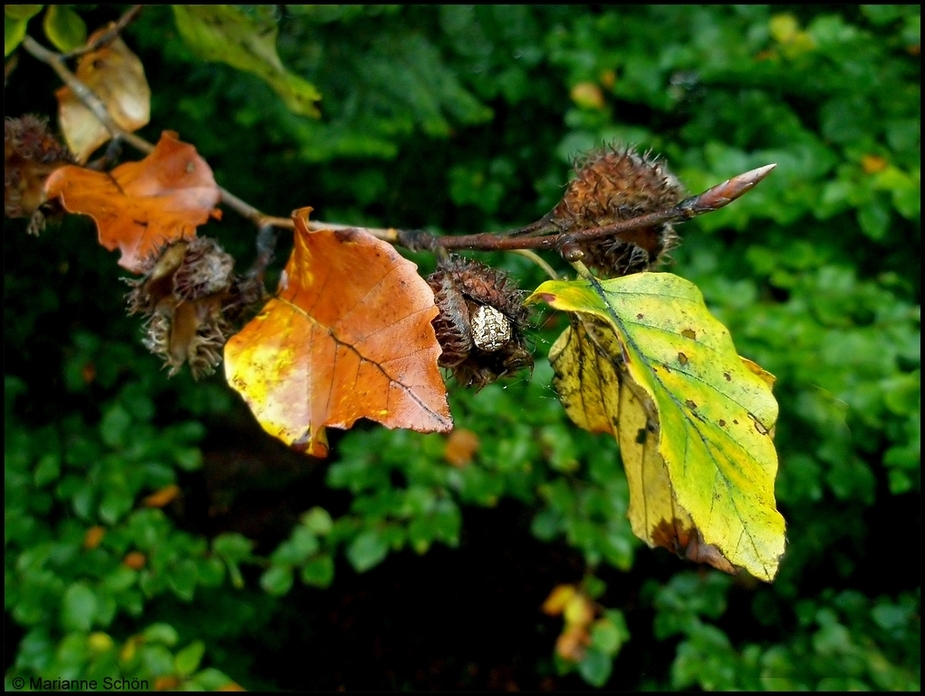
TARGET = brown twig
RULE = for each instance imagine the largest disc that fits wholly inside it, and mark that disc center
(108, 36)
(538, 235)
(712, 199)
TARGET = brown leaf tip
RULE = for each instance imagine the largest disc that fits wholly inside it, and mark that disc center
(689, 544)
(480, 323)
(612, 185)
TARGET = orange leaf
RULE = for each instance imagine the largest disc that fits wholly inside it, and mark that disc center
(558, 598)
(162, 497)
(461, 447)
(347, 336)
(117, 77)
(166, 683)
(135, 560)
(93, 537)
(571, 643)
(140, 205)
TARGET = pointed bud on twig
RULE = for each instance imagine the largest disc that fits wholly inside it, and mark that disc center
(725, 193)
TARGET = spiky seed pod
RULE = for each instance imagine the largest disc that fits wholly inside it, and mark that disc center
(481, 320)
(30, 153)
(186, 287)
(613, 185)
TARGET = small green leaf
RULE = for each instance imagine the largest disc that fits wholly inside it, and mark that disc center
(65, 28)
(595, 668)
(233, 546)
(304, 542)
(14, 31)
(115, 425)
(874, 219)
(116, 502)
(277, 580)
(47, 470)
(594, 587)
(188, 458)
(182, 579)
(188, 659)
(318, 520)
(21, 11)
(609, 633)
(367, 550)
(78, 607)
(211, 571)
(209, 679)
(162, 633)
(319, 571)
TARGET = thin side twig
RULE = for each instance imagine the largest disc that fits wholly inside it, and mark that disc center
(108, 36)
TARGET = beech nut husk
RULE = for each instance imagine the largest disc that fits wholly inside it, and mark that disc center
(613, 185)
(186, 287)
(481, 321)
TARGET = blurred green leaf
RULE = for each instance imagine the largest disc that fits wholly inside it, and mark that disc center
(277, 580)
(14, 31)
(78, 607)
(595, 667)
(187, 660)
(318, 571)
(367, 550)
(318, 521)
(226, 34)
(64, 28)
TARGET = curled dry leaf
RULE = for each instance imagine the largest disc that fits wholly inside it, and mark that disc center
(115, 75)
(347, 336)
(139, 206)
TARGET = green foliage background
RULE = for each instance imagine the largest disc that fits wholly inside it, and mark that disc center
(462, 119)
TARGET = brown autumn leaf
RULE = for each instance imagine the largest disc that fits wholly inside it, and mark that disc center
(116, 76)
(139, 206)
(94, 537)
(162, 497)
(461, 447)
(347, 336)
(135, 560)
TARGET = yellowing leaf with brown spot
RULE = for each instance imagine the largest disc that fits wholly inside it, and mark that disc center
(645, 361)
(347, 336)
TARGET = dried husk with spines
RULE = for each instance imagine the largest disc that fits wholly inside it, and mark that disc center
(613, 185)
(471, 297)
(30, 153)
(186, 292)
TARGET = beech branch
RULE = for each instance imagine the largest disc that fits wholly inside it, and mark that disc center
(540, 235)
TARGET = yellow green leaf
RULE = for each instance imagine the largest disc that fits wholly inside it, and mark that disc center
(14, 31)
(646, 361)
(21, 11)
(64, 28)
(225, 34)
